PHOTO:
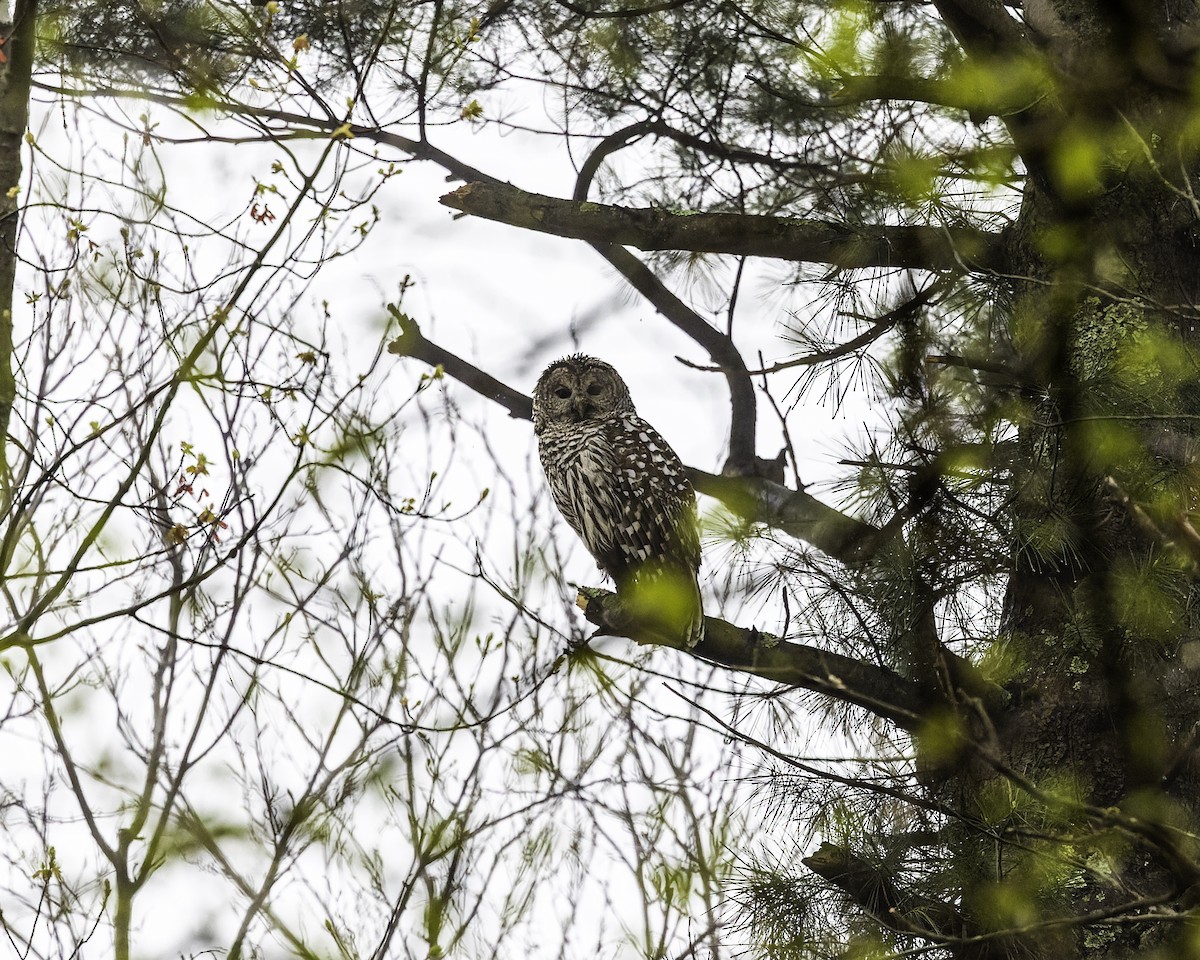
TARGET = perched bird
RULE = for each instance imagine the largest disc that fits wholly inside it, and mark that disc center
(622, 489)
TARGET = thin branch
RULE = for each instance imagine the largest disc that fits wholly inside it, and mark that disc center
(743, 403)
(877, 329)
(411, 343)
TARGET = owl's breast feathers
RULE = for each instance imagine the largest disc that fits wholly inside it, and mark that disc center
(625, 492)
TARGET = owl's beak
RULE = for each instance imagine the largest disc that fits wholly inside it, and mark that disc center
(582, 407)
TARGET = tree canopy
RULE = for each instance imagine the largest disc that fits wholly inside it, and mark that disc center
(290, 633)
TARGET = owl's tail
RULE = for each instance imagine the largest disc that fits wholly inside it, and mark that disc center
(694, 623)
(670, 599)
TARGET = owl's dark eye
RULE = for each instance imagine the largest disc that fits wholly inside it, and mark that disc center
(562, 392)
(594, 390)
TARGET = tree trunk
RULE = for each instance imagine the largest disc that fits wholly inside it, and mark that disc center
(1100, 607)
(18, 50)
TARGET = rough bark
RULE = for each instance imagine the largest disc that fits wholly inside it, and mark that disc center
(1103, 705)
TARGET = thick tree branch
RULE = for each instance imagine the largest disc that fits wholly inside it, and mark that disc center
(876, 689)
(795, 512)
(984, 26)
(784, 238)
(979, 100)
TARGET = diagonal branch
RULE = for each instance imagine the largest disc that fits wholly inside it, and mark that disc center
(755, 499)
(743, 419)
(796, 513)
(879, 327)
(412, 343)
(785, 238)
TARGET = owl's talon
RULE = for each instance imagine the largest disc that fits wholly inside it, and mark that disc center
(583, 595)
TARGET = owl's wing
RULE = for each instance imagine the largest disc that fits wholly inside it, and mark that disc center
(656, 503)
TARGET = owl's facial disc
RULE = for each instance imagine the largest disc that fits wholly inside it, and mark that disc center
(580, 401)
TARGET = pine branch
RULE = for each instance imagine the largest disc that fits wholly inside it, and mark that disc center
(877, 893)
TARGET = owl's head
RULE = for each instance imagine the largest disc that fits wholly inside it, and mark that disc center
(578, 388)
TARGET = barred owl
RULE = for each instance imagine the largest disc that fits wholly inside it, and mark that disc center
(622, 489)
